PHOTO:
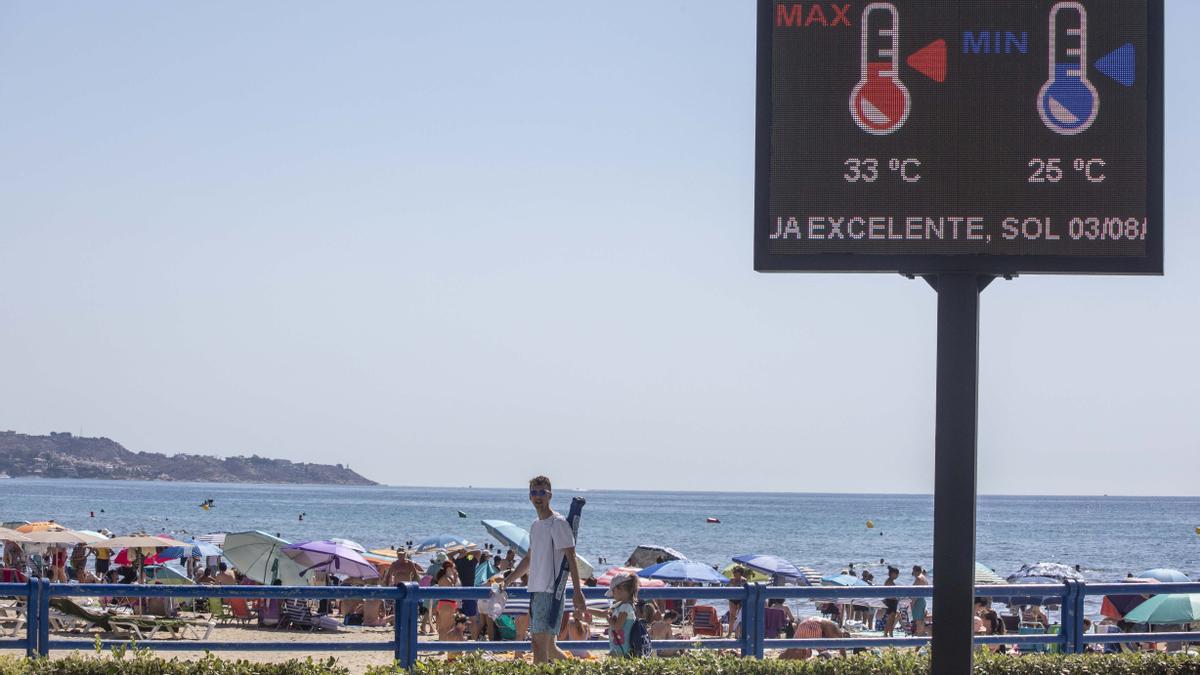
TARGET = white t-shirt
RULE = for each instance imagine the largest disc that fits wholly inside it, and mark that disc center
(547, 539)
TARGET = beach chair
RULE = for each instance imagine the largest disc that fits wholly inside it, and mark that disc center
(241, 612)
(774, 620)
(297, 614)
(705, 621)
(216, 610)
(1032, 629)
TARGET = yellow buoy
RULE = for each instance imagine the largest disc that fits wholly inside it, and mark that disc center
(871, 525)
(1198, 530)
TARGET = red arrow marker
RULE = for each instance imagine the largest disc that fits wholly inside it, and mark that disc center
(930, 60)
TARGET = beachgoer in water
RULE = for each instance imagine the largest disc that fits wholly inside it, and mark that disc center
(551, 543)
(919, 604)
(867, 577)
(892, 604)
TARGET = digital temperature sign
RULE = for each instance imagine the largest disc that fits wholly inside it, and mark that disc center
(987, 136)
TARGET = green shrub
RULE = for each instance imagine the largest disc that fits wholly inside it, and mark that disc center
(886, 663)
(144, 662)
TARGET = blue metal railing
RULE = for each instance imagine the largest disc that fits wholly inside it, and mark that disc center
(29, 592)
(753, 642)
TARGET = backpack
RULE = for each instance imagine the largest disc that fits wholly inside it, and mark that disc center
(639, 640)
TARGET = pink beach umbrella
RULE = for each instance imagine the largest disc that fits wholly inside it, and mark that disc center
(606, 578)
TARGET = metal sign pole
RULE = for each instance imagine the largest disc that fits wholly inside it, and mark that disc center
(955, 469)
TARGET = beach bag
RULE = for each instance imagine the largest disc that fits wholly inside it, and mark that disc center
(507, 627)
(639, 641)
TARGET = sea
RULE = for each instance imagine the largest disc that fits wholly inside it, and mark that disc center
(1108, 537)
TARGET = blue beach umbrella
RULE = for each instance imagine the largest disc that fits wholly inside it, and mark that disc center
(683, 570)
(1163, 574)
(512, 536)
(843, 580)
(441, 541)
(772, 565)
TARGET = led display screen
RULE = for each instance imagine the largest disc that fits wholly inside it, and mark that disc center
(993, 136)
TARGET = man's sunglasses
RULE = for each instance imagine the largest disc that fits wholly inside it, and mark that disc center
(539, 493)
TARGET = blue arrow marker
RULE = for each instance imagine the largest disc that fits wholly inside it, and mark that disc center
(1119, 64)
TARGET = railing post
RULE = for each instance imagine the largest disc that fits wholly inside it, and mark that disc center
(1080, 595)
(43, 617)
(408, 622)
(1072, 626)
(400, 623)
(31, 616)
(747, 620)
(760, 620)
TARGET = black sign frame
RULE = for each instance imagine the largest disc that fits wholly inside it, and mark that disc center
(983, 264)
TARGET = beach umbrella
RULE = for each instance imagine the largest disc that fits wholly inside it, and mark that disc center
(649, 554)
(352, 545)
(1117, 605)
(39, 526)
(683, 570)
(192, 549)
(843, 580)
(751, 574)
(215, 538)
(12, 535)
(1170, 608)
(260, 556)
(517, 538)
(138, 541)
(985, 576)
(512, 536)
(389, 553)
(772, 565)
(606, 578)
(1057, 572)
(167, 575)
(441, 541)
(1163, 574)
(331, 557)
(1053, 592)
(56, 536)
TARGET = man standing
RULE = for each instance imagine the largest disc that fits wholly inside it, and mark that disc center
(402, 570)
(919, 604)
(551, 541)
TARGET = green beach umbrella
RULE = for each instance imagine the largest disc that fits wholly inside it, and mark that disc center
(1171, 608)
(260, 556)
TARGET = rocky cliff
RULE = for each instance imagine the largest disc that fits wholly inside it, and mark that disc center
(61, 455)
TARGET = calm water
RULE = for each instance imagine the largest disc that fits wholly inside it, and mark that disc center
(1108, 536)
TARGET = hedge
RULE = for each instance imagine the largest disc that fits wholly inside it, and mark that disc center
(143, 662)
(886, 663)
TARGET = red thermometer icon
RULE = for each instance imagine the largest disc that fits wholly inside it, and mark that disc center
(880, 102)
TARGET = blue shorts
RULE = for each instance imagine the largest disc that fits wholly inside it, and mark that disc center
(469, 608)
(918, 609)
(545, 613)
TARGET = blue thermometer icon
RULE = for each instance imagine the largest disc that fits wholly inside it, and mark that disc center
(1068, 102)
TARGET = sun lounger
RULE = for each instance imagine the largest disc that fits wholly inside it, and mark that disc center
(12, 618)
(140, 627)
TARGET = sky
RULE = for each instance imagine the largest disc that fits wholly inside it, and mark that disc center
(468, 243)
